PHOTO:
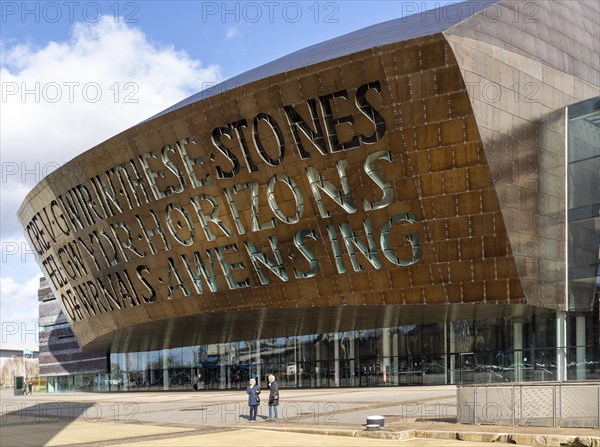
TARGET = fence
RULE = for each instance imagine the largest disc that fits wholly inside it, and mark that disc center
(544, 404)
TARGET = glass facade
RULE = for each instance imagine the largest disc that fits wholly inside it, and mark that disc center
(72, 382)
(480, 351)
(584, 204)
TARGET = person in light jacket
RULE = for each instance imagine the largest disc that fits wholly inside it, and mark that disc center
(253, 398)
(273, 397)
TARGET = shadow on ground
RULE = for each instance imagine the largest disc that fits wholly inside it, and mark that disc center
(41, 421)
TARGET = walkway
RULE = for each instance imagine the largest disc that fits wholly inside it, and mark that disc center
(418, 416)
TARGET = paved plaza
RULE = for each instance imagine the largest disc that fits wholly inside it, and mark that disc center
(419, 416)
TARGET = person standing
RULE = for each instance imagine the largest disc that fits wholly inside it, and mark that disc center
(273, 397)
(253, 398)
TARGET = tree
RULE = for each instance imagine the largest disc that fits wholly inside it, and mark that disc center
(18, 366)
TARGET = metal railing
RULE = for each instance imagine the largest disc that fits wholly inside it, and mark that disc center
(544, 404)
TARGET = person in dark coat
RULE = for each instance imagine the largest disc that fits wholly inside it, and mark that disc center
(253, 398)
(273, 397)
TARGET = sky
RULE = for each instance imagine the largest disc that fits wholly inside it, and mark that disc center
(73, 74)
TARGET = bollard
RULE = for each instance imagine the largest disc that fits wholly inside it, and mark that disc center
(375, 420)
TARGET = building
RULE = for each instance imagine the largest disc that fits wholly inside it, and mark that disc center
(416, 202)
(61, 361)
(18, 350)
(17, 359)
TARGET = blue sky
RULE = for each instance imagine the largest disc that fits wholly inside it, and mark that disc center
(76, 73)
(236, 35)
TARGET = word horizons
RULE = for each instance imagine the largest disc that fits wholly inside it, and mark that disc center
(104, 228)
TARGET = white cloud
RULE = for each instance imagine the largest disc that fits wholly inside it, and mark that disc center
(232, 32)
(19, 259)
(65, 97)
(18, 291)
(19, 310)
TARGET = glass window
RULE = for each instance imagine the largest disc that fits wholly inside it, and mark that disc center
(187, 356)
(174, 357)
(584, 204)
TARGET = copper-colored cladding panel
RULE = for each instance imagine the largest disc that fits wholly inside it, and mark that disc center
(403, 104)
(524, 62)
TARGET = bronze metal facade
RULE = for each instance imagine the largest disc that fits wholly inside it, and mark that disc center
(370, 189)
